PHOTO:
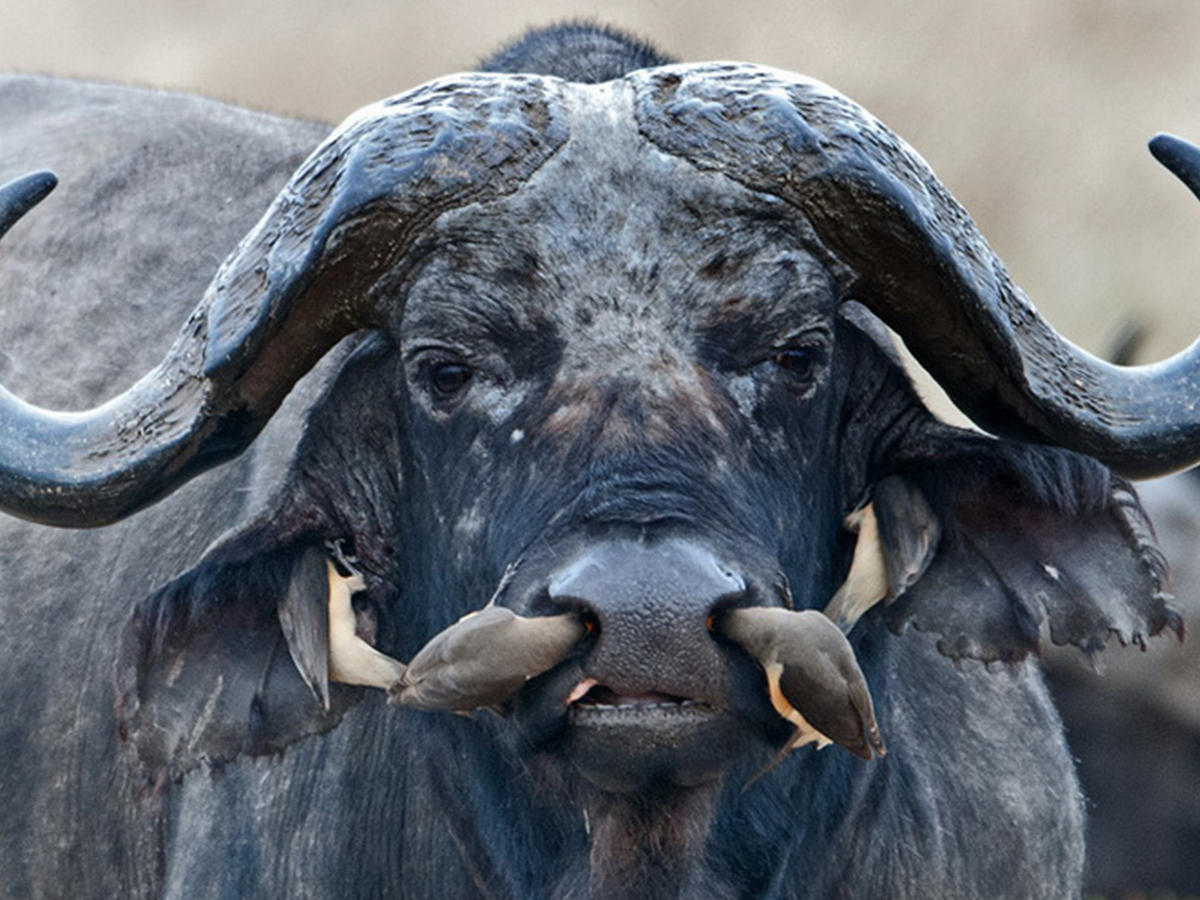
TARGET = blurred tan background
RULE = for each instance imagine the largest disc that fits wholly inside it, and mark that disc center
(1034, 112)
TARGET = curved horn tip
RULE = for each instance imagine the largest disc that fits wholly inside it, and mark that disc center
(27, 190)
(20, 195)
(1181, 158)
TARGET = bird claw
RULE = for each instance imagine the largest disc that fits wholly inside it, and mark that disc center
(347, 562)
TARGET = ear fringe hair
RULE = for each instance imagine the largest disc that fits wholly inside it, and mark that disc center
(947, 462)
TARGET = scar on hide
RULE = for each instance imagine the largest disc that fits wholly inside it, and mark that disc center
(206, 715)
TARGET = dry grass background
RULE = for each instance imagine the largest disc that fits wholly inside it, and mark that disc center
(1034, 112)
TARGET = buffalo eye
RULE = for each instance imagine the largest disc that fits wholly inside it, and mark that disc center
(800, 362)
(447, 379)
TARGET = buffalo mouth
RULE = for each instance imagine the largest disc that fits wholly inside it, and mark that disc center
(645, 740)
(591, 699)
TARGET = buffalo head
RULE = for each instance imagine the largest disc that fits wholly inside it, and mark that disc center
(613, 351)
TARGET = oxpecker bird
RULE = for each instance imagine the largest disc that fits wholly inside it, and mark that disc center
(318, 621)
(813, 678)
(351, 659)
(484, 658)
(898, 535)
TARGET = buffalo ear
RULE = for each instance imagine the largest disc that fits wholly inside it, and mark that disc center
(1028, 538)
(211, 664)
(304, 618)
(909, 532)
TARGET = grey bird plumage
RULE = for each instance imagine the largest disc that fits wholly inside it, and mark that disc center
(812, 675)
(484, 658)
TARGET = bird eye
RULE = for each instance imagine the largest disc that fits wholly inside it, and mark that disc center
(799, 361)
(449, 378)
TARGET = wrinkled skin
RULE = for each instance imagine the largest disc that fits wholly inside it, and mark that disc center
(627, 356)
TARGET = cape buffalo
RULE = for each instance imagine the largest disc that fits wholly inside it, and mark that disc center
(590, 337)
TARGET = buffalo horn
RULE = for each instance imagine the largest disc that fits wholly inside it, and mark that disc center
(295, 286)
(21, 195)
(1180, 157)
(908, 251)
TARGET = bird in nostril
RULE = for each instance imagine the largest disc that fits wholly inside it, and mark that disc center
(484, 658)
(813, 678)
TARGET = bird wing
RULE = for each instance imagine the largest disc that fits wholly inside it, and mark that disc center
(304, 617)
(484, 658)
(898, 535)
(821, 678)
(867, 581)
(805, 733)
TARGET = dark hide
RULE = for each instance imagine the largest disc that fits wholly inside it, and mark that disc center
(655, 353)
(205, 673)
(139, 197)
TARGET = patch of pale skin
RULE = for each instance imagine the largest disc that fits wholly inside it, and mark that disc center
(351, 659)
(470, 523)
(580, 689)
(866, 583)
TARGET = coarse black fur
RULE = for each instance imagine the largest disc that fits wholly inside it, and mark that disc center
(577, 51)
(677, 369)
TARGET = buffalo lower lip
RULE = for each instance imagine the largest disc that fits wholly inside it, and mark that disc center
(651, 745)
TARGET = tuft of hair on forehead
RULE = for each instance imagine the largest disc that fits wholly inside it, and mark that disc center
(576, 51)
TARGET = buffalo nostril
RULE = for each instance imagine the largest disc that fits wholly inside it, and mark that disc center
(619, 573)
(651, 608)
